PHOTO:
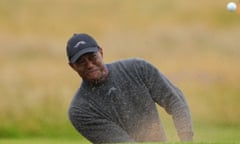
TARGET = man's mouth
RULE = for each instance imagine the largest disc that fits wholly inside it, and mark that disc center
(92, 71)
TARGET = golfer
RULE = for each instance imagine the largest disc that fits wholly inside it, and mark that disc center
(116, 102)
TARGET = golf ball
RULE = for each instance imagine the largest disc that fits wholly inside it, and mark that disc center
(232, 6)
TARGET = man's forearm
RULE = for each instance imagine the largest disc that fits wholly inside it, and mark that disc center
(186, 136)
(183, 123)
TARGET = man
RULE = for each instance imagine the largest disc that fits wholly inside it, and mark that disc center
(116, 101)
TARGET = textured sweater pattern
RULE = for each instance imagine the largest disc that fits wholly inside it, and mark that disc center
(123, 107)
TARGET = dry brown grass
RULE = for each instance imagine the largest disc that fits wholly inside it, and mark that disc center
(195, 45)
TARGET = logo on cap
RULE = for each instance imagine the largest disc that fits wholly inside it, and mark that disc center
(79, 43)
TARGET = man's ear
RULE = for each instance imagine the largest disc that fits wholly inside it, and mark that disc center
(101, 51)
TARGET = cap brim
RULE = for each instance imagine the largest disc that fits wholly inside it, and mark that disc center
(82, 52)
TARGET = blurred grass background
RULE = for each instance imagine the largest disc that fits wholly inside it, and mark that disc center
(194, 43)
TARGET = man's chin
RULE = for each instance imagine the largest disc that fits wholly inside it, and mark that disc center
(93, 79)
(96, 80)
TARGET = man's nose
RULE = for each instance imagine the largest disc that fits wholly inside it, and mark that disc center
(89, 63)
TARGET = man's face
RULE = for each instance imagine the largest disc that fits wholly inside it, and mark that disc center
(91, 67)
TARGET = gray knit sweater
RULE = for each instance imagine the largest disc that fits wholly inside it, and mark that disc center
(122, 108)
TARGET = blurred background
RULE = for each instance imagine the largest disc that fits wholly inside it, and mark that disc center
(194, 43)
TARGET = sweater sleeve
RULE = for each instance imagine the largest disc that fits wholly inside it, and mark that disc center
(96, 128)
(170, 98)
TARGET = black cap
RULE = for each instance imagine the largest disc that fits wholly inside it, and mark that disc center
(80, 44)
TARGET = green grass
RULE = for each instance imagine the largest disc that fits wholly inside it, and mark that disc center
(42, 141)
(57, 141)
(204, 133)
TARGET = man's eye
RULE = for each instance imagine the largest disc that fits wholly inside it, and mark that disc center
(80, 61)
(93, 56)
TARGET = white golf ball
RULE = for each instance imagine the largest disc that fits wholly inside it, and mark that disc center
(232, 6)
